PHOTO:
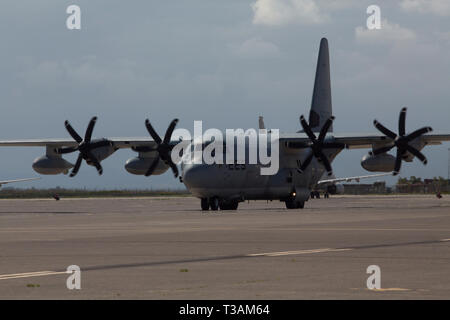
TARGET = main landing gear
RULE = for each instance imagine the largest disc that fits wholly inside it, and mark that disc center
(215, 203)
(315, 194)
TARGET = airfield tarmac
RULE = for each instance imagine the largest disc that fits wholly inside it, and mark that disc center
(166, 248)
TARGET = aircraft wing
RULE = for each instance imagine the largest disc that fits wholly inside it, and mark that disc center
(120, 142)
(363, 141)
(352, 141)
(17, 180)
(367, 141)
(349, 179)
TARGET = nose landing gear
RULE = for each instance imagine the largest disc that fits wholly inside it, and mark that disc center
(293, 204)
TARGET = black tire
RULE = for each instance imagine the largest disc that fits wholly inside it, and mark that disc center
(204, 203)
(224, 206)
(317, 195)
(229, 205)
(290, 204)
(312, 195)
(214, 203)
(234, 205)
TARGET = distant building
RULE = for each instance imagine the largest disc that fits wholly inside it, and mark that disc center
(427, 186)
(378, 187)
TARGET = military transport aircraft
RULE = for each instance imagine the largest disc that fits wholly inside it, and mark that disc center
(304, 156)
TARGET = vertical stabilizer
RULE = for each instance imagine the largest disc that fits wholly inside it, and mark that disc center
(321, 99)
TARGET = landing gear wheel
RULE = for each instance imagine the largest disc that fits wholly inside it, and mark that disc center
(292, 204)
(229, 205)
(224, 206)
(312, 194)
(214, 203)
(204, 204)
(234, 205)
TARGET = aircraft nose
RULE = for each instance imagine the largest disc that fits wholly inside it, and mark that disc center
(195, 175)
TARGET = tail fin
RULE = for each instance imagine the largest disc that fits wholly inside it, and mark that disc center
(321, 100)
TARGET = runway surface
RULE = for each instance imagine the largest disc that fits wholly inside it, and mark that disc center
(166, 248)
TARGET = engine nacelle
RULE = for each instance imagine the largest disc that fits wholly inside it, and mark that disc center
(103, 152)
(380, 163)
(139, 166)
(51, 165)
(335, 189)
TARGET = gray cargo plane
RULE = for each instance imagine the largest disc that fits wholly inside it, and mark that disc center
(304, 156)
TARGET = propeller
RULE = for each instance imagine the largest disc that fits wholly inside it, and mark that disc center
(85, 147)
(401, 141)
(317, 145)
(163, 147)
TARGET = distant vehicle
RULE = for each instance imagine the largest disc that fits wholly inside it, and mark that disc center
(304, 156)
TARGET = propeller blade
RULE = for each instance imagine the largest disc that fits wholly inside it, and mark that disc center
(77, 166)
(174, 168)
(306, 163)
(401, 122)
(90, 128)
(381, 150)
(325, 128)
(97, 164)
(72, 132)
(401, 141)
(152, 132)
(417, 154)
(326, 163)
(170, 131)
(384, 130)
(152, 167)
(307, 128)
(398, 163)
(418, 133)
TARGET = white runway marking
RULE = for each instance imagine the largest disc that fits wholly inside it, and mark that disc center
(286, 253)
(266, 254)
(29, 274)
(307, 251)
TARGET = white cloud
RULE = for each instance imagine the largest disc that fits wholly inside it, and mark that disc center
(437, 7)
(280, 12)
(256, 48)
(387, 34)
(338, 4)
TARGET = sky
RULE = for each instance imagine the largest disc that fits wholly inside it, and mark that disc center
(222, 62)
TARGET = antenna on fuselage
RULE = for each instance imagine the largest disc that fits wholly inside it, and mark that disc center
(261, 124)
